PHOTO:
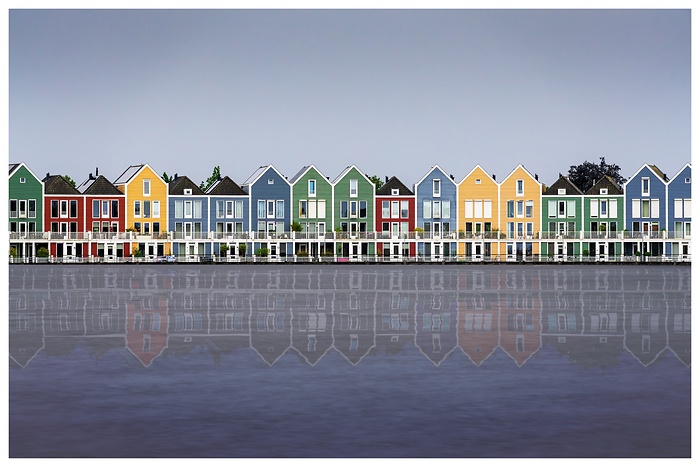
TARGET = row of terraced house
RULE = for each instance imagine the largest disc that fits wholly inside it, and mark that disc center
(309, 217)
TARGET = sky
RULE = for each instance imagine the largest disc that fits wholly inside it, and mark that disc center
(393, 92)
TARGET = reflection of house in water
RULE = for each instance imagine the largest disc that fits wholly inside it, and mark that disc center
(645, 325)
(477, 324)
(436, 324)
(26, 326)
(395, 320)
(354, 323)
(146, 326)
(270, 333)
(65, 322)
(312, 325)
(520, 314)
(229, 318)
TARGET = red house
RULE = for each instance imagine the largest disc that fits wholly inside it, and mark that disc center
(63, 217)
(104, 218)
(395, 219)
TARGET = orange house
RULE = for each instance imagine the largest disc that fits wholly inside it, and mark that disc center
(520, 195)
(477, 215)
(146, 210)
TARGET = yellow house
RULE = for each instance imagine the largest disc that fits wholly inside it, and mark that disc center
(146, 209)
(477, 214)
(520, 195)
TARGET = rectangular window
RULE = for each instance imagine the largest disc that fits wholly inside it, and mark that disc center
(146, 187)
(353, 188)
(446, 209)
(73, 208)
(478, 208)
(96, 226)
(469, 209)
(238, 209)
(32, 209)
(394, 209)
(220, 207)
(95, 208)
(64, 208)
(646, 208)
(302, 209)
(280, 209)
(645, 186)
(487, 209)
(363, 209)
(529, 208)
(146, 209)
(261, 210)
(551, 208)
(105, 208)
(677, 208)
(353, 208)
(519, 187)
(54, 209)
(229, 209)
(594, 208)
(312, 209)
(571, 208)
(178, 209)
(686, 208)
(137, 208)
(115, 208)
(427, 209)
(510, 208)
(436, 187)
(270, 208)
(562, 209)
(404, 209)
(603, 208)
(156, 209)
(385, 209)
(520, 211)
(636, 208)
(385, 226)
(436, 209)
(343, 209)
(612, 207)
(312, 188)
(13, 208)
(654, 208)
(321, 208)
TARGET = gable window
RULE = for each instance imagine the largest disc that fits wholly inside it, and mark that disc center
(22, 180)
(603, 191)
(187, 191)
(645, 186)
(687, 179)
(394, 191)
(478, 181)
(561, 191)
(436, 187)
(312, 188)
(146, 187)
(353, 188)
(270, 181)
(519, 187)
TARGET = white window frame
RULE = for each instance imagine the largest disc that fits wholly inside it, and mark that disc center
(437, 187)
(645, 186)
(353, 187)
(312, 188)
(146, 187)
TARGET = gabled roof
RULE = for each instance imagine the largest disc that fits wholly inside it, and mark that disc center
(302, 172)
(681, 171)
(449, 177)
(13, 168)
(520, 166)
(659, 173)
(99, 186)
(491, 177)
(225, 186)
(394, 184)
(605, 182)
(57, 185)
(179, 184)
(563, 183)
(654, 169)
(128, 174)
(345, 172)
(259, 173)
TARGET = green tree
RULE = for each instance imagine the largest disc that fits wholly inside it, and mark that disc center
(166, 178)
(378, 183)
(585, 175)
(69, 180)
(215, 175)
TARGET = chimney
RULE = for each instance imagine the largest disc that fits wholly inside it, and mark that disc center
(97, 172)
(559, 174)
(386, 179)
(493, 176)
(537, 177)
(48, 175)
(452, 176)
(90, 177)
(175, 176)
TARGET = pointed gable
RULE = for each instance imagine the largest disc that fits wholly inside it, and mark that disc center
(607, 183)
(99, 186)
(226, 186)
(178, 186)
(394, 184)
(57, 185)
(563, 184)
(128, 174)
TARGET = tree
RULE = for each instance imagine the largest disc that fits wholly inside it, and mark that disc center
(69, 180)
(378, 183)
(585, 175)
(166, 178)
(215, 175)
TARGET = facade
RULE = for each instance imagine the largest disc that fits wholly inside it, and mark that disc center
(105, 218)
(679, 191)
(353, 213)
(519, 210)
(229, 217)
(603, 219)
(562, 226)
(645, 211)
(26, 219)
(146, 198)
(312, 209)
(436, 200)
(477, 213)
(395, 209)
(269, 214)
(189, 218)
(64, 208)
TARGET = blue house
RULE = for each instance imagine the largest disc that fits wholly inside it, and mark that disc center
(269, 215)
(436, 213)
(679, 215)
(645, 211)
(229, 220)
(188, 219)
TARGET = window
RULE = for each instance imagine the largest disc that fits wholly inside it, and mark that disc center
(363, 209)
(551, 208)
(156, 209)
(571, 208)
(478, 181)
(436, 209)
(445, 209)
(529, 208)
(510, 208)
(519, 211)
(436, 187)
(385, 209)
(394, 209)
(321, 209)
(603, 191)
(646, 208)
(115, 208)
(23, 208)
(519, 187)
(603, 208)
(394, 192)
(270, 181)
(427, 209)
(95, 208)
(312, 188)
(73, 208)
(353, 188)
(561, 191)
(220, 207)
(645, 186)
(146, 187)
(487, 209)
(64, 208)
(146, 209)
(302, 209)
(32, 209)
(261, 209)
(687, 179)
(178, 209)
(343, 209)
(238, 209)
(137, 208)
(353, 208)
(404, 209)
(270, 208)
(469, 209)
(54, 208)
(594, 207)
(636, 208)
(562, 209)
(280, 208)
(22, 180)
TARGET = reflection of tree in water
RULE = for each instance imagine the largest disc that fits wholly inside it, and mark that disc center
(588, 351)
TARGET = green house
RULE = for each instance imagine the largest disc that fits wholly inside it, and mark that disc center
(26, 219)
(312, 212)
(353, 212)
(603, 219)
(562, 208)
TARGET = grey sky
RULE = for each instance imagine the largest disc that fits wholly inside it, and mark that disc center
(391, 91)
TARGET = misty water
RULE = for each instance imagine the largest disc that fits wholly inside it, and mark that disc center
(349, 361)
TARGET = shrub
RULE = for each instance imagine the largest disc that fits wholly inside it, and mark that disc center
(42, 252)
(262, 252)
